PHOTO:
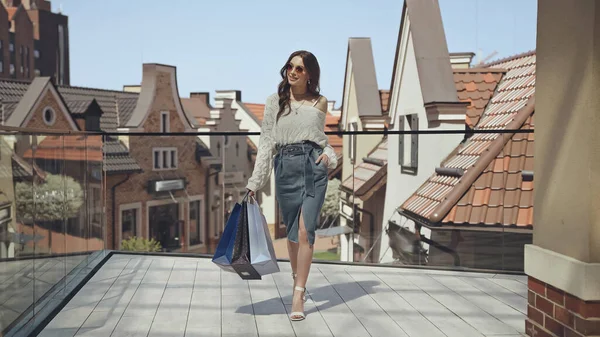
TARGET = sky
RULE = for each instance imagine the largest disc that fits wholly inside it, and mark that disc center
(241, 44)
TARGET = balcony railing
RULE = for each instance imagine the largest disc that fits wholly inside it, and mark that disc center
(453, 199)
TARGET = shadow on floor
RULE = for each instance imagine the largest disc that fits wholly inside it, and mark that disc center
(329, 294)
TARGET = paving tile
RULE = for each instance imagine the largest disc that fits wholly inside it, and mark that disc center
(168, 296)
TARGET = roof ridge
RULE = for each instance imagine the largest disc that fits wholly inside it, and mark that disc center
(482, 162)
(480, 70)
(509, 58)
(98, 89)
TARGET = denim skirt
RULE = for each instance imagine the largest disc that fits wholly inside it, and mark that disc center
(300, 186)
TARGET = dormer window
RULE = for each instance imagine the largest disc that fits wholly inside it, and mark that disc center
(164, 122)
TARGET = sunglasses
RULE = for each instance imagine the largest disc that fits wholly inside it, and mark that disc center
(299, 69)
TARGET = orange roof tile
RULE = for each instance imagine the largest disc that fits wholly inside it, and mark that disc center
(498, 194)
(73, 148)
(476, 85)
(257, 109)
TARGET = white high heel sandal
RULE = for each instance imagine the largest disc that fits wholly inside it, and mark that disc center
(298, 315)
(304, 293)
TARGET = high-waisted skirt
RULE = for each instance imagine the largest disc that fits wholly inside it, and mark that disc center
(300, 186)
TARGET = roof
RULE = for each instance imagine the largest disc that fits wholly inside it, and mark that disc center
(117, 106)
(492, 191)
(476, 85)
(361, 69)
(370, 174)
(117, 158)
(72, 148)
(22, 169)
(197, 108)
(258, 110)
(423, 20)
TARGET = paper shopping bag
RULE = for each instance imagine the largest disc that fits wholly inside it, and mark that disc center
(262, 253)
(224, 251)
(241, 248)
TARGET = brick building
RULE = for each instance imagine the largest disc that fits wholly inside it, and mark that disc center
(34, 41)
(153, 186)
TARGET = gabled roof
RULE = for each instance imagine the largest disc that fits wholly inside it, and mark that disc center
(117, 158)
(32, 96)
(422, 24)
(360, 73)
(482, 184)
(197, 108)
(150, 79)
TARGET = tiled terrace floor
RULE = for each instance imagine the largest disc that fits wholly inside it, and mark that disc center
(175, 296)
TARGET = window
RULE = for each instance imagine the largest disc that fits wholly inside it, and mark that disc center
(129, 223)
(408, 146)
(37, 72)
(11, 47)
(21, 69)
(49, 116)
(237, 149)
(36, 54)
(165, 158)
(164, 122)
(196, 234)
(12, 69)
(1, 67)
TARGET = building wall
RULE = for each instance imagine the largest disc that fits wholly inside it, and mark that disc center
(49, 100)
(5, 38)
(134, 190)
(24, 46)
(46, 31)
(432, 149)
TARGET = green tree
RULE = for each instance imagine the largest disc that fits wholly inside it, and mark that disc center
(57, 198)
(331, 206)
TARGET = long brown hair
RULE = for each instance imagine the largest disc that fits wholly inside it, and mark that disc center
(311, 65)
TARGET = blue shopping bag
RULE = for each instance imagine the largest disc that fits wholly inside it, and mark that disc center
(224, 252)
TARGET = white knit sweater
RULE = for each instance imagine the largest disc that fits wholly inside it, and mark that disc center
(304, 122)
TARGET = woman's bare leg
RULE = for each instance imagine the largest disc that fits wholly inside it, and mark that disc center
(305, 255)
(293, 253)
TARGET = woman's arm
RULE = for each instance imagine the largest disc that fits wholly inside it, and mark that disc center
(327, 150)
(266, 146)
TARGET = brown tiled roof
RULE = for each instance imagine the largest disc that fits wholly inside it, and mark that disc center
(384, 97)
(491, 191)
(117, 106)
(476, 85)
(370, 174)
(197, 108)
(117, 158)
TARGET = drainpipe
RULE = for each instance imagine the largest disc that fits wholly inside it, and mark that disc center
(114, 205)
(207, 202)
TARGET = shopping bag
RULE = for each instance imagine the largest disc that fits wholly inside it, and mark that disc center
(241, 248)
(262, 253)
(224, 252)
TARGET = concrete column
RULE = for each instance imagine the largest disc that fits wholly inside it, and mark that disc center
(563, 261)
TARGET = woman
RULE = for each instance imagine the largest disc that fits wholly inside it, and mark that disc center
(293, 132)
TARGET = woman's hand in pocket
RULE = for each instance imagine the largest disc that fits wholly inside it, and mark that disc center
(323, 158)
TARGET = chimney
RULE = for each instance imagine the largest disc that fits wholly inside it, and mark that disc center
(461, 60)
(330, 106)
(235, 95)
(132, 88)
(203, 96)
